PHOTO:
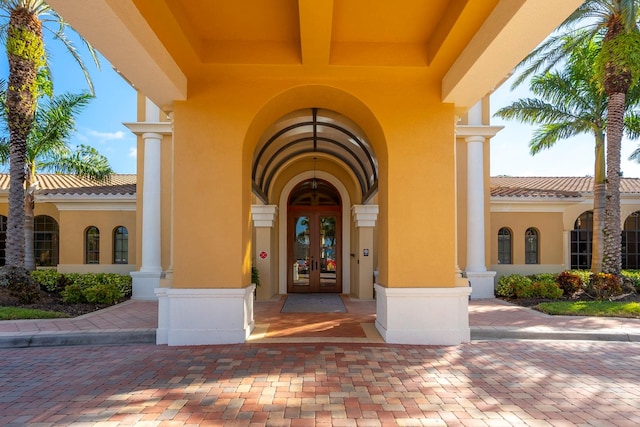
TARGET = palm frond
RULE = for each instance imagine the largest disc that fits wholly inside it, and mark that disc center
(85, 162)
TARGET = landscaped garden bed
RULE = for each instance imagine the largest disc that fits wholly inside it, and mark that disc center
(61, 295)
(575, 292)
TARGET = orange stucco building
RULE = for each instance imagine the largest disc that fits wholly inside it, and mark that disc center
(320, 140)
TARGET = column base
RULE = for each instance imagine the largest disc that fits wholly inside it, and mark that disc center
(144, 284)
(482, 284)
(423, 316)
(204, 316)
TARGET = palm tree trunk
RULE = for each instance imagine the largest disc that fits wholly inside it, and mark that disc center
(612, 261)
(599, 201)
(24, 59)
(29, 259)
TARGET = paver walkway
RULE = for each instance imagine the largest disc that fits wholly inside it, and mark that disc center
(549, 383)
(489, 319)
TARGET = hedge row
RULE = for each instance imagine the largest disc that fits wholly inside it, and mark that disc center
(96, 288)
(568, 283)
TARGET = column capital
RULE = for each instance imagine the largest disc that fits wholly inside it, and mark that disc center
(466, 131)
(365, 215)
(264, 215)
(141, 128)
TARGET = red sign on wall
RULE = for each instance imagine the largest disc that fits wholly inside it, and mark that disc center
(263, 254)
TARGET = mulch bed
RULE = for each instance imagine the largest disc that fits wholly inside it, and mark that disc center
(50, 302)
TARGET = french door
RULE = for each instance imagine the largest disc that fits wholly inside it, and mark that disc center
(314, 241)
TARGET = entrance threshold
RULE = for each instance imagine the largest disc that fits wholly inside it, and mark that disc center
(357, 325)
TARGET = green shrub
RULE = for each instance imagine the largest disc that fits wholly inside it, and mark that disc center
(507, 285)
(604, 286)
(49, 279)
(20, 284)
(72, 294)
(569, 282)
(585, 276)
(545, 289)
(102, 294)
(123, 282)
(634, 278)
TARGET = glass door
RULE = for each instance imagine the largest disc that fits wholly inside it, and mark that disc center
(314, 252)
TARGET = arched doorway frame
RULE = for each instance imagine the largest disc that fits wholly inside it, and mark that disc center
(346, 227)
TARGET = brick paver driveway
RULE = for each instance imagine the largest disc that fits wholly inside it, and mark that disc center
(482, 383)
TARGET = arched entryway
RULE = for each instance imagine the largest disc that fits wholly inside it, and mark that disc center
(314, 238)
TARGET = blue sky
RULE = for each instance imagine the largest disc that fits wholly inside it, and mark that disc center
(100, 125)
(571, 157)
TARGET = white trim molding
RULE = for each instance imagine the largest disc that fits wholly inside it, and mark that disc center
(423, 316)
(204, 316)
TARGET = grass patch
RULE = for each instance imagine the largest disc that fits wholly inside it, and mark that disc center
(591, 308)
(15, 313)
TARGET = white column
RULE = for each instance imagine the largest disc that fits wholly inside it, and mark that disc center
(152, 131)
(475, 205)
(151, 230)
(476, 134)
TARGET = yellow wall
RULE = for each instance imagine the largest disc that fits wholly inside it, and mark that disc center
(73, 224)
(550, 238)
(410, 130)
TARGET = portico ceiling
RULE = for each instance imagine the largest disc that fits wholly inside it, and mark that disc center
(163, 45)
(314, 132)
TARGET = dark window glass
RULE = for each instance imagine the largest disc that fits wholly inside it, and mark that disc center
(92, 246)
(581, 240)
(504, 246)
(120, 245)
(531, 246)
(3, 238)
(45, 241)
(631, 242)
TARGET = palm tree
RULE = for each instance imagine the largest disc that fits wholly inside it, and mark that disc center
(27, 67)
(617, 70)
(47, 150)
(570, 102)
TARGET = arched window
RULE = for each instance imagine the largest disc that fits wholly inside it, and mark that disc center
(581, 238)
(631, 242)
(45, 241)
(531, 246)
(3, 238)
(120, 245)
(504, 246)
(92, 245)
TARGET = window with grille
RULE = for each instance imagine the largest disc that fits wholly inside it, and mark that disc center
(120, 245)
(504, 246)
(92, 246)
(45, 241)
(531, 246)
(581, 241)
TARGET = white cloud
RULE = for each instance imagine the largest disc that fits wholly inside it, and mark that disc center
(133, 152)
(106, 136)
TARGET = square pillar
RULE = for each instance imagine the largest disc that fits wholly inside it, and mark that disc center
(264, 217)
(365, 217)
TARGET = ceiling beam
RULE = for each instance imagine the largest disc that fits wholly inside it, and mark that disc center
(316, 19)
(514, 28)
(120, 33)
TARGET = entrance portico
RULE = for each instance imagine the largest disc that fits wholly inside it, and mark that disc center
(235, 77)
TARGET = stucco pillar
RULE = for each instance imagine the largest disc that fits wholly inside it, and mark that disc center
(152, 131)
(264, 217)
(475, 134)
(365, 217)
